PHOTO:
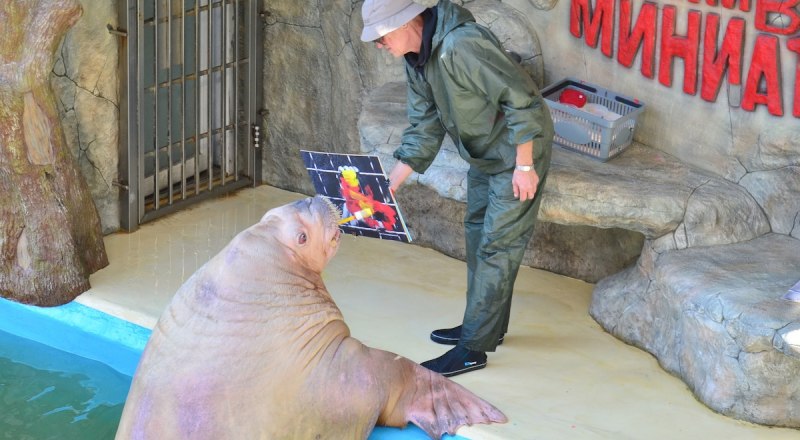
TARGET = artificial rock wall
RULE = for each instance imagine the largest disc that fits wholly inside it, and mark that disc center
(85, 81)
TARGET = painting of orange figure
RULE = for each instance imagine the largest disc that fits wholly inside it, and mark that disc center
(358, 186)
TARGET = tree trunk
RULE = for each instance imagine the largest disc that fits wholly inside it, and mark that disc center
(50, 235)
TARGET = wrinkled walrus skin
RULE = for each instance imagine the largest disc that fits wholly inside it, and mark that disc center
(252, 346)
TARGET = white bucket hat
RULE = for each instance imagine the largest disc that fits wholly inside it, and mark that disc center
(383, 16)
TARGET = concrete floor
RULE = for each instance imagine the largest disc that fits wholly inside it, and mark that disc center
(558, 375)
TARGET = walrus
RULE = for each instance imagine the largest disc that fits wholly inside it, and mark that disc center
(252, 346)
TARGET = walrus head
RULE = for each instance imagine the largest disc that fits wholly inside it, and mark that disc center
(309, 228)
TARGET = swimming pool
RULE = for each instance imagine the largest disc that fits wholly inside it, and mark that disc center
(65, 373)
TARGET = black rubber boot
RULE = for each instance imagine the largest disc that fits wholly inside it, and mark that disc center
(458, 360)
(451, 336)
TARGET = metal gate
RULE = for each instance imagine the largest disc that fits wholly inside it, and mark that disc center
(188, 130)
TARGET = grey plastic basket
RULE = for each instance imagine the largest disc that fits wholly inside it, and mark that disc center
(596, 134)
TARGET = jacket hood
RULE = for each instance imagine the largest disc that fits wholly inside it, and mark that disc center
(450, 16)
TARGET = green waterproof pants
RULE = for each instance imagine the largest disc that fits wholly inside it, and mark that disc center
(498, 228)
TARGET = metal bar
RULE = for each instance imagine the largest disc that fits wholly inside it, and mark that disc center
(220, 190)
(156, 146)
(117, 31)
(192, 12)
(223, 88)
(226, 78)
(168, 6)
(235, 89)
(255, 81)
(204, 135)
(210, 87)
(169, 83)
(183, 99)
(251, 107)
(139, 105)
(128, 130)
(197, 97)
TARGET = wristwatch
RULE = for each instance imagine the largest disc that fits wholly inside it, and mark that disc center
(525, 168)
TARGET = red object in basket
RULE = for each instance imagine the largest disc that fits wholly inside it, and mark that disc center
(573, 97)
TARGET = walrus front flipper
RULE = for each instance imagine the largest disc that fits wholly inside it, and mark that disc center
(395, 391)
(442, 406)
(434, 403)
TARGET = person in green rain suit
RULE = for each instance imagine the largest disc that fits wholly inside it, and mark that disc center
(461, 82)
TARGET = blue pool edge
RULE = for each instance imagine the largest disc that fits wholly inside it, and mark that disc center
(115, 342)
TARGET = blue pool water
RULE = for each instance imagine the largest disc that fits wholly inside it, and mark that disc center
(46, 393)
(65, 373)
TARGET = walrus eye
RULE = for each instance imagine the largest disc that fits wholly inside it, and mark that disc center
(302, 238)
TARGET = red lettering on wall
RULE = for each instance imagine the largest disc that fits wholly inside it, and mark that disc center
(766, 8)
(683, 47)
(597, 23)
(728, 58)
(794, 46)
(724, 56)
(642, 35)
(763, 80)
(744, 5)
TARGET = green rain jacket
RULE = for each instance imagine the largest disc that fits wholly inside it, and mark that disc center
(477, 94)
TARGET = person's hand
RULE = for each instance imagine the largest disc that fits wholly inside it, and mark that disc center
(399, 174)
(525, 184)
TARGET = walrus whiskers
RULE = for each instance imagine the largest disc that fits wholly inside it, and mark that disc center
(335, 212)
